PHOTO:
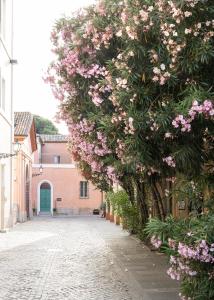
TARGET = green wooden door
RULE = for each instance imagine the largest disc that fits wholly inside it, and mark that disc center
(45, 200)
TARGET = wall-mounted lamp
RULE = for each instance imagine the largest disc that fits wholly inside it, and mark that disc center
(40, 172)
(16, 149)
(13, 61)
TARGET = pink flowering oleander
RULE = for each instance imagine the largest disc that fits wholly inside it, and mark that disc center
(90, 152)
(201, 252)
(169, 160)
(129, 128)
(98, 92)
(206, 109)
(73, 66)
(111, 173)
(178, 268)
(156, 242)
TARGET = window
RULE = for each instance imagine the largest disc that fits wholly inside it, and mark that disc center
(83, 189)
(57, 159)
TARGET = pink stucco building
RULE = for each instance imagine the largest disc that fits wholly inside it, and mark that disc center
(25, 135)
(60, 187)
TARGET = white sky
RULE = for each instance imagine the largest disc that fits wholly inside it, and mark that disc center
(33, 21)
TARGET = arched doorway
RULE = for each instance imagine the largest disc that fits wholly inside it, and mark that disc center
(27, 192)
(45, 197)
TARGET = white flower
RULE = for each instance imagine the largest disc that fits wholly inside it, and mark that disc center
(131, 53)
(163, 67)
(187, 31)
(156, 70)
(187, 14)
(119, 33)
(168, 135)
(166, 33)
(167, 74)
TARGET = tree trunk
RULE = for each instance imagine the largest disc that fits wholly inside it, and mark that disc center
(127, 185)
(141, 202)
(158, 199)
(156, 203)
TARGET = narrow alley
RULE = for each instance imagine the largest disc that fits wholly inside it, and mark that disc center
(79, 258)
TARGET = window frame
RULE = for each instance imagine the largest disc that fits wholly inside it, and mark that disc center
(84, 189)
(57, 159)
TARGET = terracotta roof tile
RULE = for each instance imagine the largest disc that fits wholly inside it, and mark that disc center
(22, 123)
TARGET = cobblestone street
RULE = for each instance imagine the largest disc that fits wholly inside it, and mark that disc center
(78, 258)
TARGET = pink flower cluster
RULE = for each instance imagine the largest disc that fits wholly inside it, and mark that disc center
(202, 252)
(111, 173)
(98, 91)
(98, 38)
(100, 8)
(179, 268)
(156, 242)
(129, 128)
(181, 121)
(89, 151)
(206, 109)
(120, 149)
(161, 75)
(73, 66)
(181, 265)
(170, 161)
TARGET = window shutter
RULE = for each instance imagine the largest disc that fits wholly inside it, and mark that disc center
(81, 189)
(84, 189)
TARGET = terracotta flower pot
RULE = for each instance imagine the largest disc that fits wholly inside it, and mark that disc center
(107, 216)
(117, 220)
(112, 218)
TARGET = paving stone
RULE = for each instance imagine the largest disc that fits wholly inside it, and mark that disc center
(77, 258)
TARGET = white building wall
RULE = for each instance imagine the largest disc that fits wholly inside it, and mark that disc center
(6, 114)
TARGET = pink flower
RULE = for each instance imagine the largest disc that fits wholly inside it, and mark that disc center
(156, 242)
(170, 161)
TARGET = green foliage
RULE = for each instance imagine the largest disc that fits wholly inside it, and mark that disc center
(44, 126)
(189, 233)
(125, 209)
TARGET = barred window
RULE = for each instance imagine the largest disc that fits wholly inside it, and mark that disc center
(83, 189)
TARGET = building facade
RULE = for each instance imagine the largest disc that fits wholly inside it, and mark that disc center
(25, 135)
(61, 188)
(6, 113)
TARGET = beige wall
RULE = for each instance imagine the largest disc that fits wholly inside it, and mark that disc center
(6, 122)
(51, 149)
